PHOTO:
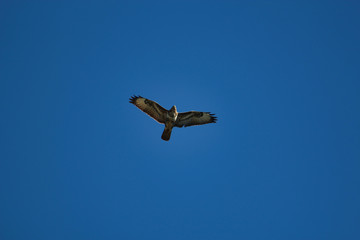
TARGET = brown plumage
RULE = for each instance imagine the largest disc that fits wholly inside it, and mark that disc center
(166, 133)
(171, 118)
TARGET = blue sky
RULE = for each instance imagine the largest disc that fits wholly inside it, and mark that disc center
(79, 162)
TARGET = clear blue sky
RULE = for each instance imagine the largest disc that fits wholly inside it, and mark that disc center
(79, 162)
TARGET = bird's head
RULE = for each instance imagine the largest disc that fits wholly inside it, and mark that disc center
(173, 112)
(173, 109)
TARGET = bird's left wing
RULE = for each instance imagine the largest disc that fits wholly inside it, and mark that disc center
(151, 108)
(194, 118)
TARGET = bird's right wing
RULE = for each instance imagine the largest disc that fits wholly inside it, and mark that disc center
(151, 108)
(194, 118)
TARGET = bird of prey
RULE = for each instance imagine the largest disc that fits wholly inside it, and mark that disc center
(171, 118)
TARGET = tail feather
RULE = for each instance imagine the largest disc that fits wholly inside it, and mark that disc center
(166, 134)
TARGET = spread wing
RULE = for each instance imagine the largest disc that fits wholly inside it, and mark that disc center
(151, 108)
(194, 118)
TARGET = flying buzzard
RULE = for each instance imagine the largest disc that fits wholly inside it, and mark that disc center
(171, 118)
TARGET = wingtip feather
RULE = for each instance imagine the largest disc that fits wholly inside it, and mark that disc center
(133, 98)
(213, 118)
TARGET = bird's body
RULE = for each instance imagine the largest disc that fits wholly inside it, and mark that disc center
(171, 118)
